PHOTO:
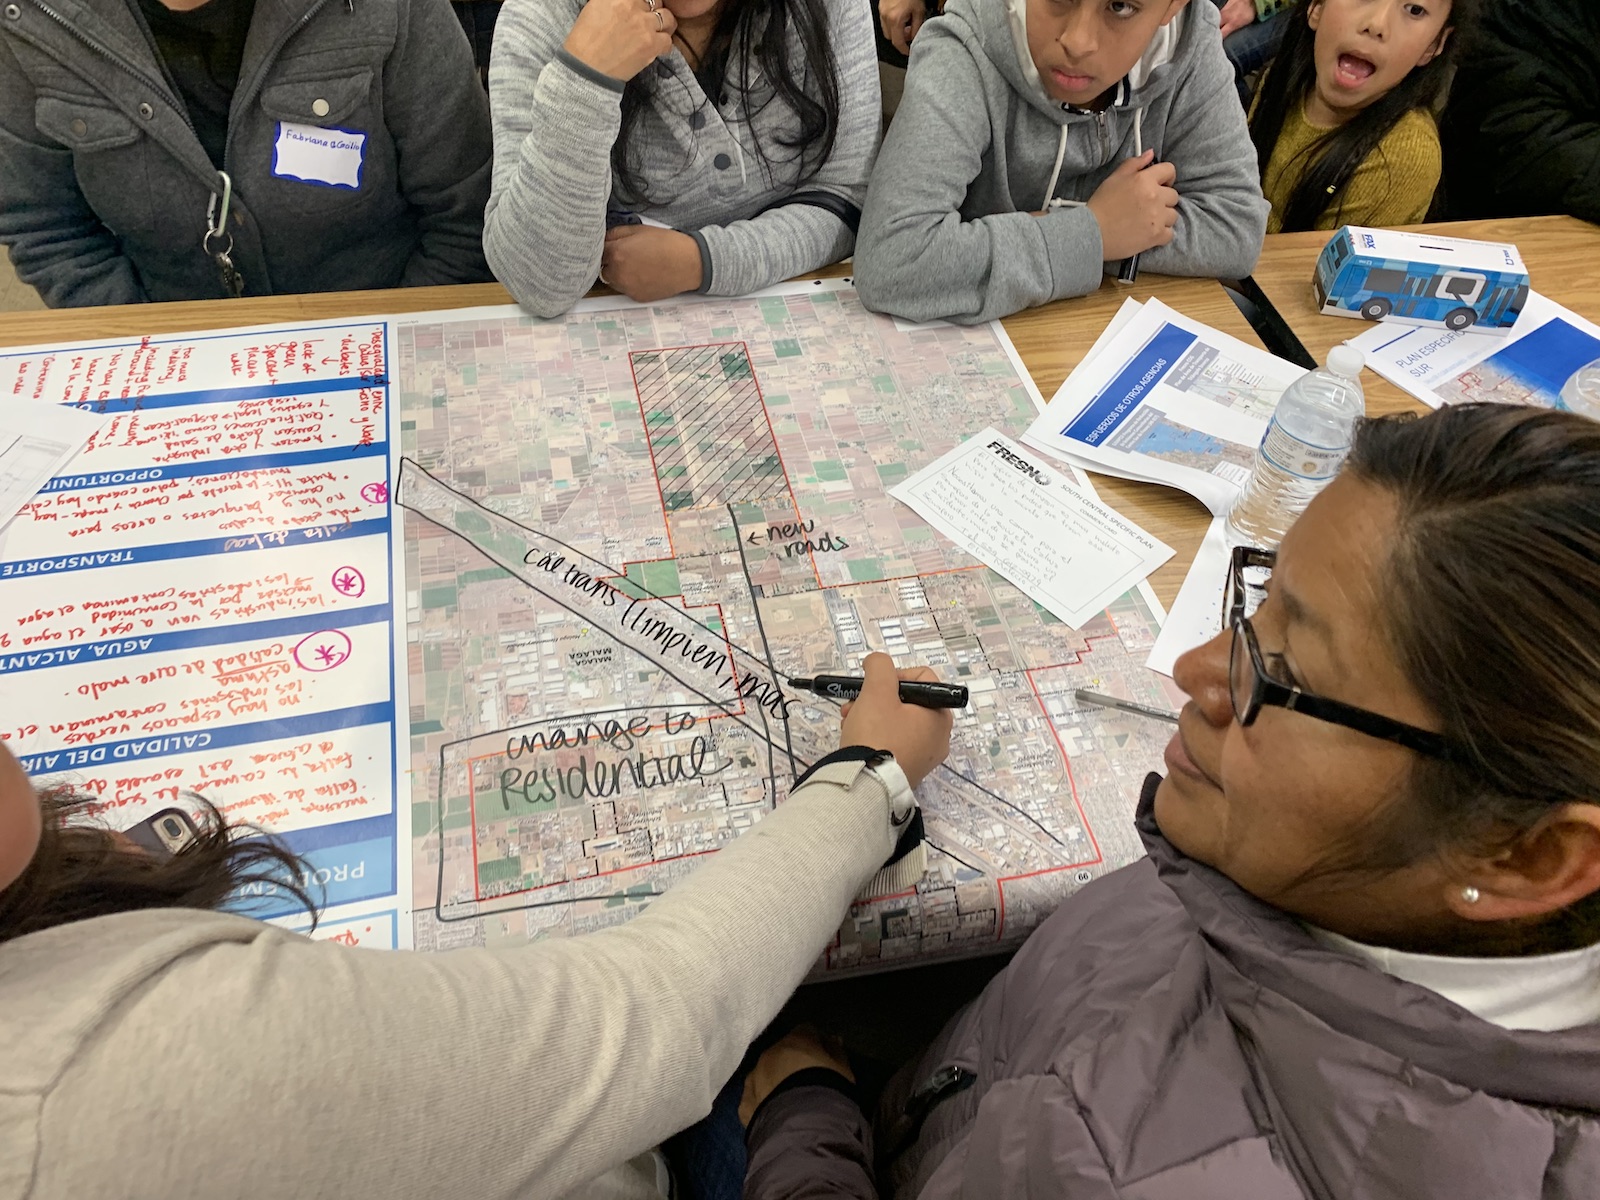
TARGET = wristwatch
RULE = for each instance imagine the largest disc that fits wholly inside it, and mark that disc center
(902, 803)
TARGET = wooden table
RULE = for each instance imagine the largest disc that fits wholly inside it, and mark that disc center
(1562, 255)
(1051, 341)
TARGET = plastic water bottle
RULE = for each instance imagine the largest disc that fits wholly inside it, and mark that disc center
(1581, 393)
(1305, 443)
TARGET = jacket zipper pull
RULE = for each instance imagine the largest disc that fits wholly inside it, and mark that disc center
(904, 1130)
(946, 1081)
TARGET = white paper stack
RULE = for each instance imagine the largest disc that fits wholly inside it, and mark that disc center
(1551, 358)
(1168, 400)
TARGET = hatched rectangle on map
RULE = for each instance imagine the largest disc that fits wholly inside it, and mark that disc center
(709, 435)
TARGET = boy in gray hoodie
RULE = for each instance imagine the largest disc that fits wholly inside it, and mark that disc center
(1040, 142)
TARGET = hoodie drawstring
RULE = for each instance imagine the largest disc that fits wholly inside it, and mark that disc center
(1050, 198)
(1055, 172)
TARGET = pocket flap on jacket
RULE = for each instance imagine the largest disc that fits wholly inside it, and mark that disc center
(79, 125)
(323, 102)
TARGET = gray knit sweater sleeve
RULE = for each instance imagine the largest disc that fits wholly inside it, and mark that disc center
(554, 122)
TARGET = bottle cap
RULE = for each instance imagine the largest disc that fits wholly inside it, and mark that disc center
(1344, 359)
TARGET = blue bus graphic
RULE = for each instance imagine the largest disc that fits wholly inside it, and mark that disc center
(1354, 284)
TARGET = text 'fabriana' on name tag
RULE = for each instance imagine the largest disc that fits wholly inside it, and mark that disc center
(312, 154)
(1003, 505)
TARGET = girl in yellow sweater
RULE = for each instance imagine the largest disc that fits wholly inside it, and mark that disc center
(1343, 124)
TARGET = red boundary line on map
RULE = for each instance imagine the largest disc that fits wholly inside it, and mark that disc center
(783, 466)
(666, 525)
(472, 794)
(1066, 762)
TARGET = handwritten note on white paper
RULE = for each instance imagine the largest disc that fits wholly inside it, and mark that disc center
(39, 440)
(1006, 507)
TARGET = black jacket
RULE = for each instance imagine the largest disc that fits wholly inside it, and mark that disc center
(1522, 131)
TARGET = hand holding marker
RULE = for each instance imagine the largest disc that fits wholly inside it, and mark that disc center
(912, 691)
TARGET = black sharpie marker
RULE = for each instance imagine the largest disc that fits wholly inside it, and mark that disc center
(912, 691)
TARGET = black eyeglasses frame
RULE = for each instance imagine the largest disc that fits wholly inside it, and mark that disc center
(1267, 692)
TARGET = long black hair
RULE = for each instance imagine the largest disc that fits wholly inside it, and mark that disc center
(750, 34)
(82, 870)
(1333, 158)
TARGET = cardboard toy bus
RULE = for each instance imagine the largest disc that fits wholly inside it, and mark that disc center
(1418, 279)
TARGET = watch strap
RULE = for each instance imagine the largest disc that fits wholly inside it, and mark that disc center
(909, 862)
(844, 754)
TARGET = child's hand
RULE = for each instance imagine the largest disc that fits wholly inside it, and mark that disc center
(620, 38)
(645, 263)
(1137, 206)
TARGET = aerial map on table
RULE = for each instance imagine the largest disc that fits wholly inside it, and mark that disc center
(625, 529)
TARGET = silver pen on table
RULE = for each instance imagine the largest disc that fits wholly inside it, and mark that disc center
(1143, 710)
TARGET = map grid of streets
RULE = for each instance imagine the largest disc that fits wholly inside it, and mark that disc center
(624, 528)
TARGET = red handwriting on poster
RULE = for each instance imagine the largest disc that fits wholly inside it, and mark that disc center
(269, 362)
(266, 786)
(369, 354)
(169, 435)
(349, 582)
(370, 420)
(273, 498)
(168, 698)
(91, 376)
(55, 631)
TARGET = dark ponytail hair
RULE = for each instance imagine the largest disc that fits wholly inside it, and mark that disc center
(750, 34)
(1492, 606)
(83, 870)
(1332, 159)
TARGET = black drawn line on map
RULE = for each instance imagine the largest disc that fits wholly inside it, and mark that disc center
(710, 700)
(604, 569)
(709, 410)
(945, 771)
(444, 749)
(933, 845)
(995, 796)
(1001, 800)
(669, 770)
(766, 649)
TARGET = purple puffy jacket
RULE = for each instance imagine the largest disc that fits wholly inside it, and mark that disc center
(1166, 1036)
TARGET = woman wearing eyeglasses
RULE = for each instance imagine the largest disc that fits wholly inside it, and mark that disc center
(1362, 957)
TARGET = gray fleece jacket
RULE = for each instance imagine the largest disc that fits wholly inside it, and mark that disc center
(104, 186)
(977, 146)
(555, 121)
(1166, 1036)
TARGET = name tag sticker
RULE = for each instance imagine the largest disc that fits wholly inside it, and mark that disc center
(312, 154)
